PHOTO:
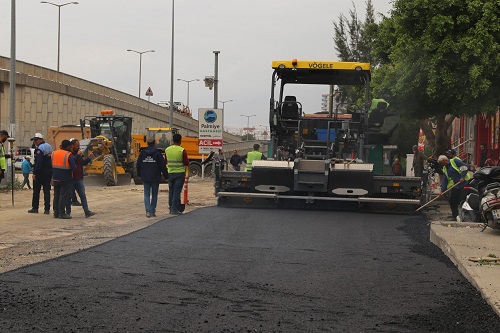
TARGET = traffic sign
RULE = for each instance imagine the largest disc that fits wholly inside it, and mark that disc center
(149, 92)
(209, 143)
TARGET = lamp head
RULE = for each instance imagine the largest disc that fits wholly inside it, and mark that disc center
(11, 142)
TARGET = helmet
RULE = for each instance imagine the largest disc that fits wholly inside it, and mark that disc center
(451, 152)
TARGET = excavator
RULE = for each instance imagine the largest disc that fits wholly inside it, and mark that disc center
(322, 160)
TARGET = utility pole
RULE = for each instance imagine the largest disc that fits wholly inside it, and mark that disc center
(12, 77)
(216, 79)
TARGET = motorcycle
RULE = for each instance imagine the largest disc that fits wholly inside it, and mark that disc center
(483, 201)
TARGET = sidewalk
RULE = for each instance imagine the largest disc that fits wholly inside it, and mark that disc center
(462, 241)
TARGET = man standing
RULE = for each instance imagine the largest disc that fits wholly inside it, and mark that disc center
(42, 174)
(455, 171)
(150, 166)
(26, 169)
(78, 184)
(63, 166)
(252, 156)
(235, 161)
(4, 135)
(221, 158)
(418, 162)
(177, 161)
(484, 155)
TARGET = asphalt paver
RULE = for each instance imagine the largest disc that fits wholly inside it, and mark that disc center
(248, 270)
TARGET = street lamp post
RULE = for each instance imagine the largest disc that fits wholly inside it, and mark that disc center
(224, 103)
(248, 122)
(140, 66)
(188, 82)
(59, 26)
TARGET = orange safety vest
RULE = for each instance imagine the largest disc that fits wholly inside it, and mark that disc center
(60, 159)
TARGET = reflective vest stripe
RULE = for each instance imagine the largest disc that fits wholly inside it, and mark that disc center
(457, 169)
(175, 161)
(60, 159)
(252, 156)
(3, 161)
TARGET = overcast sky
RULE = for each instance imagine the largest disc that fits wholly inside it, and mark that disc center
(95, 35)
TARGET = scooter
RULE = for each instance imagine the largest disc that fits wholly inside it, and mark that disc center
(483, 199)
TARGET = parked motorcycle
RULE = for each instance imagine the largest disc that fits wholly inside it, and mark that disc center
(483, 199)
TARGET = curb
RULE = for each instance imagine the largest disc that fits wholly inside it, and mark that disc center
(450, 253)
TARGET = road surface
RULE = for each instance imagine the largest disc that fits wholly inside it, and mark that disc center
(248, 270)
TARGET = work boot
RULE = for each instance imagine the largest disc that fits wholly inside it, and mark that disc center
(33, 210)
(175, 212)
(46, 212)
(65, 216)
(148, 214)
(89, 213)
(56, 216)
(76, 203)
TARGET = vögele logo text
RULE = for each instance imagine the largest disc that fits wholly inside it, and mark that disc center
(210, 116)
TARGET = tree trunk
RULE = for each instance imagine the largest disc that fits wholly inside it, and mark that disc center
(439, 140)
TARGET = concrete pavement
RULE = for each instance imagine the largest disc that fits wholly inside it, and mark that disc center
(462, 241)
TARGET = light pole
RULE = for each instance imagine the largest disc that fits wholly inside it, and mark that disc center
(224, 103)
(140, 65)
(248, 122)
(188, 82)
(59, 27)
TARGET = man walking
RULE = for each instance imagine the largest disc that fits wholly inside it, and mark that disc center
(42, 174)
(26, 169)
(78, 185)
(150, 166)
(177, 161)
(235, 160)
(252, 156)
(4, 135)
(455, 171)
(63, 165)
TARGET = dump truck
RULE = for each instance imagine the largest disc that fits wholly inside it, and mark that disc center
(321, 160)
(162, 135)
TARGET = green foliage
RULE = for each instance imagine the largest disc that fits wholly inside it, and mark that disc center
(446, 56)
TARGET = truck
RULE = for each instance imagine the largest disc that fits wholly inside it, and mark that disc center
(322, 160)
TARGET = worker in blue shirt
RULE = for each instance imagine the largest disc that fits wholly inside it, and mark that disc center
(455, 173)
(26, 169)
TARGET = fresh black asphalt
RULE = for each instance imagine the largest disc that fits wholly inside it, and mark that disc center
(248, 270)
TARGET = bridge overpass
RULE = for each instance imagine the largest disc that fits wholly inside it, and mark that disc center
(45, 97)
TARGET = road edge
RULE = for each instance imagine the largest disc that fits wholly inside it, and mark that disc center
(448, 250)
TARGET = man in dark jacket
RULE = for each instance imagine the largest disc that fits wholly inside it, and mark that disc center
(236, 161)
(78, 185)
(42, 173)
(150, 166)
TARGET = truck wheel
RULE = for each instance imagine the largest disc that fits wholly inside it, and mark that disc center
(109, 170)
(135, 176)
(194, 170)
(209, 170)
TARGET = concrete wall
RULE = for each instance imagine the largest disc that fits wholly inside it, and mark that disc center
(46, 98)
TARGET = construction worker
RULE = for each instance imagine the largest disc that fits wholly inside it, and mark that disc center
(4, 135)
(150, 167)
(252, 156)
(177, 161)
(455, 171)
(78, 185)
(418, 162)
(63, 166)
(42, 173)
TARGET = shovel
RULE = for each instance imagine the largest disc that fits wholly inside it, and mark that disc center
(421, 207)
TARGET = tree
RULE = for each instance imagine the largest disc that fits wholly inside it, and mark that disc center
(444, 61)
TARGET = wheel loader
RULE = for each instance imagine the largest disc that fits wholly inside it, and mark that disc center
(113, 147)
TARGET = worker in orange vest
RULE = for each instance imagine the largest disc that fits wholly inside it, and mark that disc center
(63, 165)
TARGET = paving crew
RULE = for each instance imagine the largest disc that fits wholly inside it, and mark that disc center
(252, 156)
(150, 166)
(26, 168)
(78, 185)
(177, 160)
(235, 160)
(455, 171)
(63, 166)
(42, 174)
(4, 135)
